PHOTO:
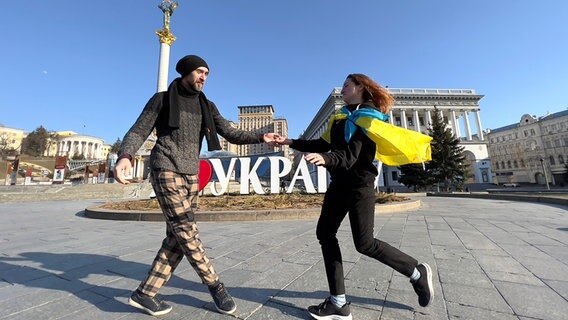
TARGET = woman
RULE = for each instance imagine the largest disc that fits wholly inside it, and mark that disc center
(348, 153)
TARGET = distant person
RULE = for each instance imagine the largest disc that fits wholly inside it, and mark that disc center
(182, 117)
(348, 153)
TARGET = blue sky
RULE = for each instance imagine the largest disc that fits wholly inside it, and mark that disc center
(90, 66)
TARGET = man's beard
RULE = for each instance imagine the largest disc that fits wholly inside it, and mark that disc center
(198, 86)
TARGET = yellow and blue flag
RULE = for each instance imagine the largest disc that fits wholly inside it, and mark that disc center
(396, 146)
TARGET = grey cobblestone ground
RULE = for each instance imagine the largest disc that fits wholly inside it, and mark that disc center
(492, 260)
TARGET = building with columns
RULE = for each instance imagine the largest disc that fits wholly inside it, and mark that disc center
(258, 118)
(533, 150)
(413, 110)
(92, 148)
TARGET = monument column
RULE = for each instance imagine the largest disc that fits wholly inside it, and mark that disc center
(166, 39)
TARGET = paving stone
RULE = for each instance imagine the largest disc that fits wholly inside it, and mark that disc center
(475, 297)
(464, 312)
(561, 287)
(534, 301)
(487, 260)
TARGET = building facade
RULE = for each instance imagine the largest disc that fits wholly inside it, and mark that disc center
(91, 148)
(258, 118)
(533, 150)
(11, 139)
(413, 110)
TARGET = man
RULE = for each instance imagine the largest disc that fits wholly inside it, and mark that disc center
(182, 116)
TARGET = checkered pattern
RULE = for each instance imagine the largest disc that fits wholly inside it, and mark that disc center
(177, 195)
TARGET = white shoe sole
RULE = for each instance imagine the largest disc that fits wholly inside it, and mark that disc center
(226, 312)
(150, 312)
(332, 317)
(429, 278)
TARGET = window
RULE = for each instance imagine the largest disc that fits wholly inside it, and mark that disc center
(522, 163)
(502, 164)
(515, 164)
(394, 175)
(410, 121)
(560, 159)
(551, 159)
(497, 165)
(509, 164)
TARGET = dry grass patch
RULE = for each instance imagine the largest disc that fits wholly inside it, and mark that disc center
(246, 202)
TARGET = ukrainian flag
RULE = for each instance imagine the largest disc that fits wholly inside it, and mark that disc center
(396, 146)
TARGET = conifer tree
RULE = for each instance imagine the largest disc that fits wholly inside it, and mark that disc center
(36, 142)
(116, 146)
(448, 165)
(414, 176)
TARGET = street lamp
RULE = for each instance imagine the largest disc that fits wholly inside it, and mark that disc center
(544, 172)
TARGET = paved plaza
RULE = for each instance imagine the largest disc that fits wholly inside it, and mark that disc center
(492, 259)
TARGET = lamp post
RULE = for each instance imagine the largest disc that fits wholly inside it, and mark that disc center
(544, 172)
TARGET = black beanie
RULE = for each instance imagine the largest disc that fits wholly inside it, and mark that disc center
(189, 63)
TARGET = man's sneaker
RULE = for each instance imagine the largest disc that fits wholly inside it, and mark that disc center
(423, 286)
(327, 310)
(151, 305)
(223, 300)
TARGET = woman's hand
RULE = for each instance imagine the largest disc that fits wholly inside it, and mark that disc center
(315, 158)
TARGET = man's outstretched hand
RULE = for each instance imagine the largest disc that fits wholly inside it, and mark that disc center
(122, 167)
(270, 138)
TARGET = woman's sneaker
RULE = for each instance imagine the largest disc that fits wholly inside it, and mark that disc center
(423, 286)
(151, 305)
(327, 310)
(223, 300)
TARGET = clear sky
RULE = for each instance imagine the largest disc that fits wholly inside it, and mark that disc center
(90, 66)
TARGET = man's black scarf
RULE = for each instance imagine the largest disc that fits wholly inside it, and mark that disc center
(208, 128)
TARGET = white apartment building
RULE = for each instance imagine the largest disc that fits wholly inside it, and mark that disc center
(533, 150)
(413, 110)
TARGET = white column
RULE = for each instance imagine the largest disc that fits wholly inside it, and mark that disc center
(455, 124)
(467, 128)
(479, 127)
(441, 115)
(163, 67)
(391, 116)
(416, 121)
(428, 119)
(403, 119)
(459, 132)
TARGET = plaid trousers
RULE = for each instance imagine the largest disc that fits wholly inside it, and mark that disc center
(177, 195)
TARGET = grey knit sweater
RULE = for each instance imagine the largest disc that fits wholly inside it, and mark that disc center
(178, 149)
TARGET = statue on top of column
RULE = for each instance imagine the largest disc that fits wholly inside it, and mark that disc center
(168, 7)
